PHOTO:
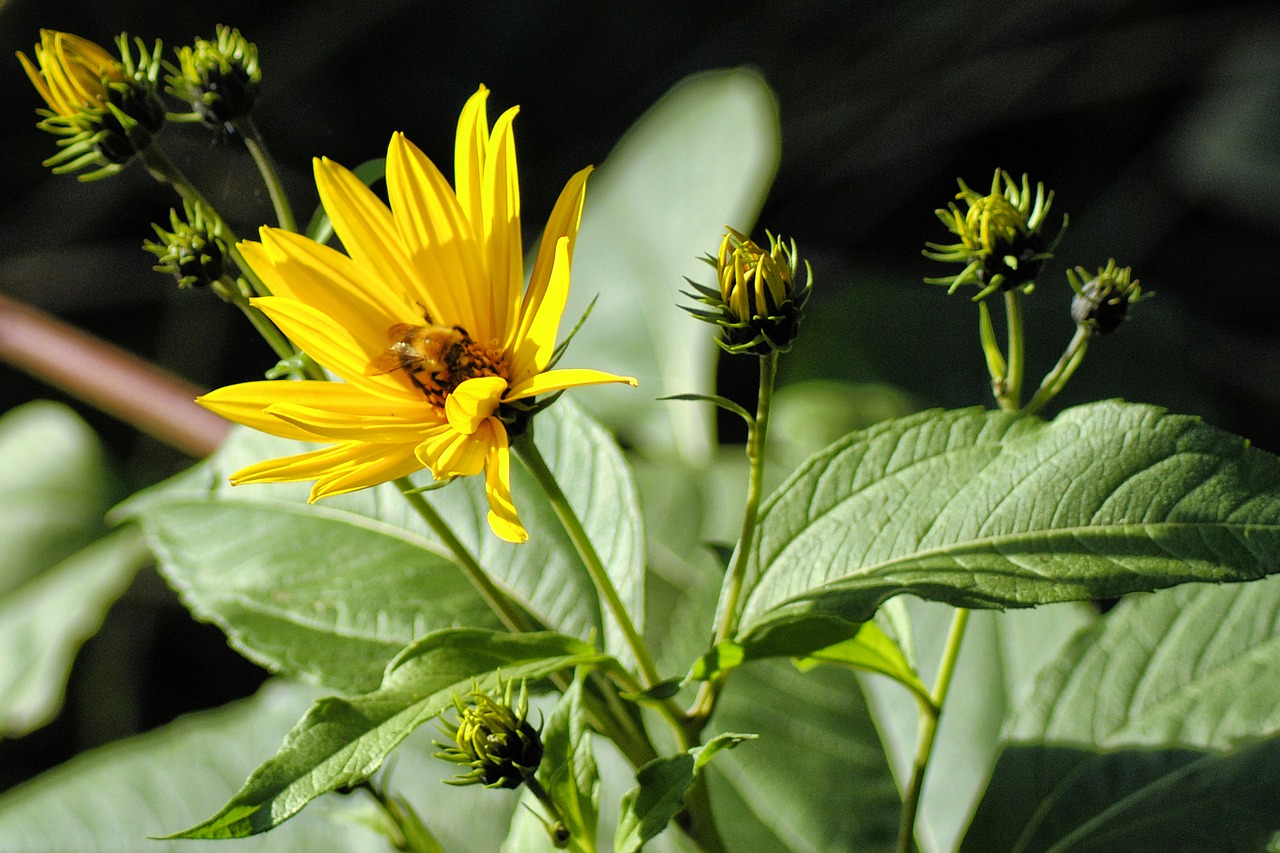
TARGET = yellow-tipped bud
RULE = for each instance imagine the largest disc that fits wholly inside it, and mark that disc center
(194, 252)
(760, 302)
(494, 738)
(104, 109)
(1002, 245)
(1102, 300)
(218, 78)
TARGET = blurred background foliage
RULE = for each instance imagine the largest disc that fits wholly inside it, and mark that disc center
(1157, 124)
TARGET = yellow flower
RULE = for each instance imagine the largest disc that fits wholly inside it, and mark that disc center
(425, 318)
(71, 73)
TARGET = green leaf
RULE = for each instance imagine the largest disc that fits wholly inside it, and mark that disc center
(43, 623)
(999, 661)
(816, 780)
(702, 158)
(650, 806)
(341, 742)
(54, 489)
(331, 591)
(988, 509)
(110, 800)
(1146, 723)
(870, 650)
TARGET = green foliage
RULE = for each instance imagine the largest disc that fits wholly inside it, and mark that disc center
(1156, 729)
(341, 742)
(650, 806)
(330, 592)
(987, 509)
(55, 587)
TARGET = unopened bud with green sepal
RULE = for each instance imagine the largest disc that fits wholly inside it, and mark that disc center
(760, 302)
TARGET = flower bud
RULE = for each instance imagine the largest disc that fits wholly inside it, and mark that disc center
(1102, 301)
(1002, 245)
(759, 304)
(105, 109)
(194, 252)
(494, 739)
(219, 78)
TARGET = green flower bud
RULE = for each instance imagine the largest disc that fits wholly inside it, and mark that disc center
(494, 739)
(105, 110)
(1102, 301)
(194, 252)
(1002, 245)
(759, 304)
(219, 78)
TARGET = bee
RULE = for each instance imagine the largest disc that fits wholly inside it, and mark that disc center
(437, 351)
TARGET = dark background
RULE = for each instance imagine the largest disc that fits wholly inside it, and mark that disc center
(1156, 123)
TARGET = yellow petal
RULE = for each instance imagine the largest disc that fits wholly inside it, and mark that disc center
(563, 222)
(380, 464)
(350, 426)
(437, 235)
(503, 520)
(502, 241)
(555, 380)
(365, 226)
(297, 268)
(303, 466)
(468, 158)
(449, 453)
(335, 347)
(473, 401)
(538, 328)
(247, 403)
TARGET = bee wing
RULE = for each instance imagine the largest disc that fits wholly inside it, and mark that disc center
(388, 360)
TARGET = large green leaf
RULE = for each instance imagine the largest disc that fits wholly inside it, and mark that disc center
(113, 799)
(54, 489)
(341, 742)
(43, 623)
(816, 779)
(331, 591)
(702, 158)
(987, 509)
(1149, 725)
(999, 660)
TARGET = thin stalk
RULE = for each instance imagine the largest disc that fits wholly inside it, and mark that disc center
(414, 837)
(929, 716)
(758, 430)
(1056, 379)
(532, 458)
(499, 602)
(267, 168)
(166, 171)
(1010, 398)
(568, 842)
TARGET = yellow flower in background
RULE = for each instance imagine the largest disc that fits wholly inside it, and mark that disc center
(425, 318)
(71, 73)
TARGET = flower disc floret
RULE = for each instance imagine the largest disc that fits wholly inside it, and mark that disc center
(442, 349)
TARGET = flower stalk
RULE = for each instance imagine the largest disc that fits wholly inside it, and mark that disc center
(267, 169)
(930, 713)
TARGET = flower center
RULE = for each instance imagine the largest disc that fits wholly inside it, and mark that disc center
(437, 359)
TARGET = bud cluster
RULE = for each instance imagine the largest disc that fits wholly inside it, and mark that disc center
(760, 303)
(194, 252)
(218, 78)
(1102, 300)
(494, 738)
(1002, 244)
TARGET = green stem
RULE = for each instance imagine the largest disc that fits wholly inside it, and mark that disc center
(1056, 379)
(929, 716)
(731, 597)
(499, 602)
(532, 458)
(576, 843)
(1010, 396)
(267, 168)
(414, 837)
